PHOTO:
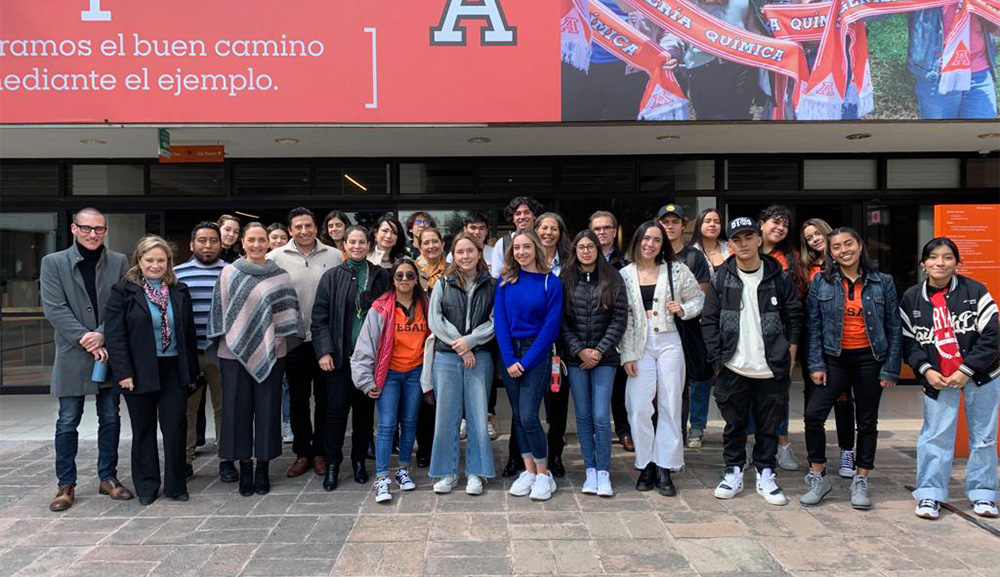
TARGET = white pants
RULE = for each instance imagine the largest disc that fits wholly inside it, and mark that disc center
(661, 378)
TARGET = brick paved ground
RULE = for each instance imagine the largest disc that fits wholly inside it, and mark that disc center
(299, 529)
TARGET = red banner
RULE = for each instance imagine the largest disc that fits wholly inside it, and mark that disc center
(277, 61)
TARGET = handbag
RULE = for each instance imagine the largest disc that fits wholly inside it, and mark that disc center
(695, 351)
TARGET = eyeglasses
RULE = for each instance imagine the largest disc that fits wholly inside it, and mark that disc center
(406, 276)
(586, 247)
(422, 221)
(602, 228)
(89, 229)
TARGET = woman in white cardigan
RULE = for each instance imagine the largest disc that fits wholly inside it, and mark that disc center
(659, 288)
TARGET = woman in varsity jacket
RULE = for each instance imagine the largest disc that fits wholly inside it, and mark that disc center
(951, 340)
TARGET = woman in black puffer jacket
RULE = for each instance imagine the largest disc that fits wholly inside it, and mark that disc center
(594, 320)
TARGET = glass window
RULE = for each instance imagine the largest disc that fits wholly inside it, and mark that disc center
(19, 179)
(506, 177)
(982, 173)
(108, 180)
(657, 175)
(608, 176)
(28, 349)
(436, 178)
(125, 230)
(848, 174)
(187, 180)
(923, 172)
(764, 174)
(271, 179)
(354, 178)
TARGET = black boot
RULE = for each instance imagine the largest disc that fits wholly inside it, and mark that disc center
(227, 472)
(246, 478)
(261, 480)
(332, 477)
(556, 466)
(663, 481)
(360, 473)
(647, 478)
(514, 466)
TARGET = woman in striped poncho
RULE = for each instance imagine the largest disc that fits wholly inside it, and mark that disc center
(254, 311)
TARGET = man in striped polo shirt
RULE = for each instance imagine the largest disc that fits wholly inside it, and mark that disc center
(200, 274)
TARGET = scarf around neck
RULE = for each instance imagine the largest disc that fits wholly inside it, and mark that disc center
(159, 295)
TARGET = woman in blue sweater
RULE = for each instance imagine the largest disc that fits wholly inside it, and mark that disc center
(527, 312)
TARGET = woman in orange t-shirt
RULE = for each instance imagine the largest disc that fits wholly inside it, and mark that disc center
(386, 365)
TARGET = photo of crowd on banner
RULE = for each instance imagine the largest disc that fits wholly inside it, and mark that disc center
(668, 60)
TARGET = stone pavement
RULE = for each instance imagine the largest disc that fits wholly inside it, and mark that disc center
(299, 529)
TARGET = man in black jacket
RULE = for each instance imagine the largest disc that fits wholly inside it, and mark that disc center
(751, 323)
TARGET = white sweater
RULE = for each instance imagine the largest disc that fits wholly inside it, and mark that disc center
(686, 291)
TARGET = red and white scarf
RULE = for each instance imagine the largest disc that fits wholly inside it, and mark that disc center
(956, 58)
(949, 354)
(574, 33)
(663, 98)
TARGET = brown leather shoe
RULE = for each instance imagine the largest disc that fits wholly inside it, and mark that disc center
(627, 444)
(319, 465)
(113, 488)
(299, 467)
(64, 498)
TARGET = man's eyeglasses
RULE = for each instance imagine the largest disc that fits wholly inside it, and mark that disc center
(602, 228)
(406, 276)
(89, 229)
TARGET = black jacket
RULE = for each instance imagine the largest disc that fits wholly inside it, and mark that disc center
(335, 301)
(128, 336)
(616, 259)
(456, 307)
(974, 320)
(585, 326)
(780, 315)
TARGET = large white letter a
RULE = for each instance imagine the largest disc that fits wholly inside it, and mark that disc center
(495, 33)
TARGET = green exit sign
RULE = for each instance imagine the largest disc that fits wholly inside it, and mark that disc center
(164, 142)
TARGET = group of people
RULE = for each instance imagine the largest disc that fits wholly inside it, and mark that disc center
(389, 318)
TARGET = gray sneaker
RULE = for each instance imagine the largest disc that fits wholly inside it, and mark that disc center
(819, 487)
(786, 459)
(695, 437)
(859, 493)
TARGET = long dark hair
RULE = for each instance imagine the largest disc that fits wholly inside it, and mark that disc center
(563, 247)
(938, 242)
(830, 267)
(399, 249)
(666, 253)
(324, 236)
(419, 295)
(608, 280)
(696, 234)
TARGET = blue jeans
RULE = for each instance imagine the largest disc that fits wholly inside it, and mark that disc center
(701, 395)
(980, 101)
(399, 402)
(935, 448)
(458, 389)
(525, 394)
(591, 389)
(108, 430)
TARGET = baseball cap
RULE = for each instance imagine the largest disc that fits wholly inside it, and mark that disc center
(740, 224)
(670, 209)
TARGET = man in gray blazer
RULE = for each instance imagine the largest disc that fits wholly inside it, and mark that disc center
(75, 283)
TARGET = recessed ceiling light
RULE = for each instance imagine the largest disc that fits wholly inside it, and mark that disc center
(858, 136)
(93, 141)
(480, 140)
(288, 141)
(668, 137)
(989, 135)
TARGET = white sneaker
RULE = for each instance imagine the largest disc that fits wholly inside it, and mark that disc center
(986, 509)
(382, 493)
(286, 433)
(767, 487)
(404, 480)
(786, 458)
(446, 484)
(463, 430)
(604, 488)
(522, 486)
(731, 484)
(542, 490)
(552, 481)
(474, 485)
(928, 509)
(695, 437)
(846, 464)
(590, 485)
(491, 430)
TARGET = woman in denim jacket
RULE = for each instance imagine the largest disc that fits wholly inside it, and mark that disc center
(855, 341)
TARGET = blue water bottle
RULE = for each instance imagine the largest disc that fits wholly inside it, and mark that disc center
(100, 372)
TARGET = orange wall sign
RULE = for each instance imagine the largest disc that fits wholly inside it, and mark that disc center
(195, 154)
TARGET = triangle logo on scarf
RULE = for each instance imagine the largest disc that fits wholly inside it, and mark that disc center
(960, 59)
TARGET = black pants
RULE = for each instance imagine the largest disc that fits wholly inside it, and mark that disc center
(722, 90)
(618, 410)
(738, 396)
(169, 406)
(857, 371)
(604, 92)
(304, 383)
(425, 430)
(251, 413)
(843, 413)
(343, 398)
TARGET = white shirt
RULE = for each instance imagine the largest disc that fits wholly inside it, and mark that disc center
(749, 359)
